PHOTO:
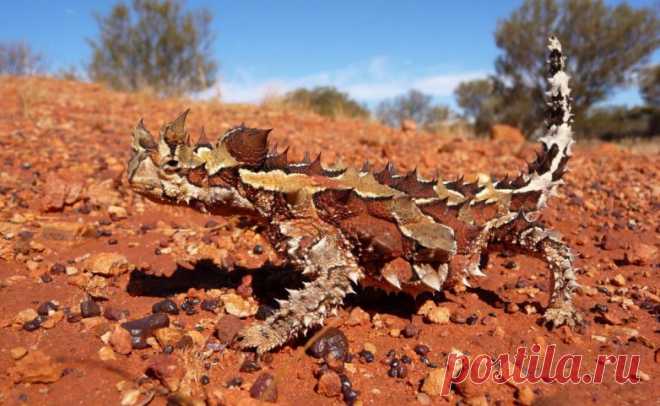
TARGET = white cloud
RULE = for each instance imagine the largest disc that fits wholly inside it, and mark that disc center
(368, 81)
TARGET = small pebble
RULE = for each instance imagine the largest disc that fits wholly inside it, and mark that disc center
(46, 278)
(600, 308)
(264, 388)
(234, 382)
(421, 349)
(45, 308)
(114, 314)
(89, 308)
(227, 328)
(250, 365)
(366, 356)
(410, 331)
(209, 305)
(57, 269)
(165, 306)
(472, 319)
(332, 340)
(204, 380)
(143, 328)
(32, 325)
(329, 384)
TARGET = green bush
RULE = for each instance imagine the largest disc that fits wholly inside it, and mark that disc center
(326, 101)
(415, 106)
(618, 122)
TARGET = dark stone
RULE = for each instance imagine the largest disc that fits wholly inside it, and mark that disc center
(410, 331)
(46, 278)
(89, 308)
(406, 359)
(397, 369)
(33, 325)
(115, 314)
(510, 265)
(46, 307)
(210, 305)
(366, 356)
(233, 382)
(333, 341)
(600, 308)
(143, 328)
(250, 365)
(57, 268)
(421, 349)
(350, 396)
(165, 306)
(472, 319)
(204, 380)
(264, 388)
(258, 250)
(73, 317)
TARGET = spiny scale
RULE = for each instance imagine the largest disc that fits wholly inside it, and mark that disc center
(343, 226)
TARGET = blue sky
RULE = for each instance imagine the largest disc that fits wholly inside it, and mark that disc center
(371, 49)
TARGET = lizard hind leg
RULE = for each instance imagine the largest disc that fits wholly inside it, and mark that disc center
(307, 307)
(558, 256)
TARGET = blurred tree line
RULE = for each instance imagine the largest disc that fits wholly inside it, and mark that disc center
(607, 48)
(159, 45)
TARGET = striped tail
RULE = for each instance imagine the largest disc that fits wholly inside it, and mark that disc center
(546, 172)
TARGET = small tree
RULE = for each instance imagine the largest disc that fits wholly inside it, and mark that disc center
(605, 44)
(18, 58)
(154, 44)
(326, 101)
(649, 85)
(414, 105)
(479, 101)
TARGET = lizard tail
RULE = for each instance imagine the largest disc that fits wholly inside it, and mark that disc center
(545, 173)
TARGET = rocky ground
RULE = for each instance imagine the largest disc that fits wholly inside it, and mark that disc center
(106, 298)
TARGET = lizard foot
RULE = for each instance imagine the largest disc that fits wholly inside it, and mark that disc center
(259, 336)
(562, 315)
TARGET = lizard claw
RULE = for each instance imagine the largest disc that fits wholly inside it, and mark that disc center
(261, 337)
(565, 314)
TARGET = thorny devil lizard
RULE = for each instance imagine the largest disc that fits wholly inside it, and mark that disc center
(342, 226)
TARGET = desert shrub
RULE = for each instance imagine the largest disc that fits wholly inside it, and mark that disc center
(480, 103)
(18, 58)
(415, 106)
(326, 101)
(154, 44)
(618, 122)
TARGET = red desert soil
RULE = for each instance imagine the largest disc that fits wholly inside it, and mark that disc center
(72, 231)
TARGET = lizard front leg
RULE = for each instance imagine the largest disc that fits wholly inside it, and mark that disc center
(333, 269)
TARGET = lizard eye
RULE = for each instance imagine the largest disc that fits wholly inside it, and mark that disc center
(171, 166)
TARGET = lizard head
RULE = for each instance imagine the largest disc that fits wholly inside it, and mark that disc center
(204, 175)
